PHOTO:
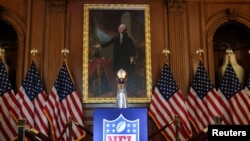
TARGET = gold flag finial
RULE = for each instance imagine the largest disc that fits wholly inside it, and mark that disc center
(228, 52)
(65, 51)
(2, 51)
(33, 52)
(199, 52)
(166, 52)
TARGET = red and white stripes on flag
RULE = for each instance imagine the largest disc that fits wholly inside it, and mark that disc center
(236, 106)
(64, 101)
(203, 101)
(167, 103)
(8, 126)
(32, 96)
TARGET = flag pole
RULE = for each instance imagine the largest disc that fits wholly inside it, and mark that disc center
(65, 52)
(177, 127)
(2, 52)
(166, 52)
(199, 52)
(229, 51)
(33, 52)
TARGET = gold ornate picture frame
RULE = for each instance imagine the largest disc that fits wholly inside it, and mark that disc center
(101, 23)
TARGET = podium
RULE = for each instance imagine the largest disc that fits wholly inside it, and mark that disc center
(125, 124)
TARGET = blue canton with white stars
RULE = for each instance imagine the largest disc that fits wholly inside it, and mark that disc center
(5, 84)
(167, 85)
(230, 84)
(32, 82)
(64, 84)
(248, 82)
(201, 82)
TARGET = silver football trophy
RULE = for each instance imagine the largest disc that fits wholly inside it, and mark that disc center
(121, 95)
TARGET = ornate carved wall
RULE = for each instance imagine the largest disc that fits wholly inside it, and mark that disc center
(180, 26)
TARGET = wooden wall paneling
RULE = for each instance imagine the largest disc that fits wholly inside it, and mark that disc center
(179, 61)
(203, 34)
(159, 38)
(54, 40)
(26, 49)
(37, 36)
(75, 41)
(196, 34)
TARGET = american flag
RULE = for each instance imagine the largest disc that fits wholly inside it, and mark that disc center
(32, 96)
(247, 87)
(167, 103)
(203, 101)
(8, 127)
(64, 101)
(235, 100)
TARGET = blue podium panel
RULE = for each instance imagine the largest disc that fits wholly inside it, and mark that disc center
(114, 124)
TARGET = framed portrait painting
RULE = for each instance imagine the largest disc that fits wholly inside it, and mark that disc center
(101, 26)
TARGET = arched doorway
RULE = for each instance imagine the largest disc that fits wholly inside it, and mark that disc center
(9, 42)
(236, 36)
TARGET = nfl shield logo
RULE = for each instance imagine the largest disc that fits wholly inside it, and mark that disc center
(121, 129)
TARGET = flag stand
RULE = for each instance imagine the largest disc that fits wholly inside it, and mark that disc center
(69, 125)
(84, 129)
(218, 120)
(21, 129)
(70, 129)
(22, 132)
(201, 136)
(163, 128)
(40, 135)
(176, 127)
(31, 133)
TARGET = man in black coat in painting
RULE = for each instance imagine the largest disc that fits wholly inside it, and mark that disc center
(123, 53)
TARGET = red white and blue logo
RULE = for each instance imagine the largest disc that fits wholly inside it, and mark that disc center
(120, 124)
(121, 129)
